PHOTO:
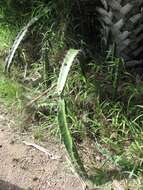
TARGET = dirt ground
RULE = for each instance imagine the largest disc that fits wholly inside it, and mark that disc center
(24, 167)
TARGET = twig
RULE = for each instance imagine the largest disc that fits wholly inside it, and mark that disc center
(42, 149)
(38, 97)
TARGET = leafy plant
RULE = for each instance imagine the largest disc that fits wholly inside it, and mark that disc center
(101, 102)
(68, 140)
(62, 117)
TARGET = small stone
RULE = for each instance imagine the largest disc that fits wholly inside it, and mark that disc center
(23, 167)
(35, 178)
(12, 142)
(15, 159)
(0, 145)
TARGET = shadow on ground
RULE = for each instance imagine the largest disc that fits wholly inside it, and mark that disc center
(8, 186)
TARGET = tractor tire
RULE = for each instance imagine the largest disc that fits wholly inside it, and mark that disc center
(123, 25)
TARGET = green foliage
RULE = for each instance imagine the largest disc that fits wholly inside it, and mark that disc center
(7, 34)
(10, 91)
(15, 11)
(103, 101)
(114, 123)
(6, 37)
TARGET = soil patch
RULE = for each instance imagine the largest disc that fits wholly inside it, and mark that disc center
(26, 168)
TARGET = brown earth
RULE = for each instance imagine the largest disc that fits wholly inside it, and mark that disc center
(24, 167)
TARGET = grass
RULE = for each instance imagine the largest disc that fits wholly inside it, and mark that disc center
(11, 92)
(6, 37)
(106, 107)
(7, 33)
(104, 111)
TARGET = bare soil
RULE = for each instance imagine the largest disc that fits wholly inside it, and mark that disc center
(24, 167)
